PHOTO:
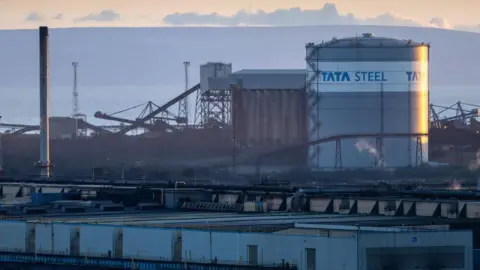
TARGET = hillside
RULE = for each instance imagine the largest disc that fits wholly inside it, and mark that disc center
(152, 56)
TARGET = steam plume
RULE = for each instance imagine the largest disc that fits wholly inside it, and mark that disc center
(363, 145)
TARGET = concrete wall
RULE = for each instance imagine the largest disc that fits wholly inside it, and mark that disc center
(61, 238)
(96, 240)
(13, 236)
(331, 253)
(429, 245)
(44, 238)
(51, 238)
(147, 243)
(411, 239)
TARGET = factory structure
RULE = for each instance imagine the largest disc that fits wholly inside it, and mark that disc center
(141, 241)
(227, 227)
(279, 117)
(361, 102)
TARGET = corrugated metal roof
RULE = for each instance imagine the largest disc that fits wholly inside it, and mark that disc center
(271, 71)
(316, 232)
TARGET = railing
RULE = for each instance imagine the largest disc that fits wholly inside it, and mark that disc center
(177, 226)
(13, 218)
(35, 219)
(217, 207)
(229, 228)
(17, 257)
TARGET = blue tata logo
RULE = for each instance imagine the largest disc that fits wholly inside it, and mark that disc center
(368, 76)
(414, 76)
(359, 76)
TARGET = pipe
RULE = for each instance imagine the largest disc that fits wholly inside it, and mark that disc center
(44, 105)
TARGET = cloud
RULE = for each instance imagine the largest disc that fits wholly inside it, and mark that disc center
(33, 17)
(106, 15)
(59, 16)
(389, 19)
(440, 23)
(327, 15)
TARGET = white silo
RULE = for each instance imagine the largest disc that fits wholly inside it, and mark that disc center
(362, 86)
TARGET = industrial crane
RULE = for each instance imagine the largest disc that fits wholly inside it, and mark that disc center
(458, 115)
(153, 124)
(19, 128)
(151, 115)
(462, 118)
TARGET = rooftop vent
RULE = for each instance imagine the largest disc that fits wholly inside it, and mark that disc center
(367, 35)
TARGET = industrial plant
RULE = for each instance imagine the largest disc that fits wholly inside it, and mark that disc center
(165, 191)
(350, 108)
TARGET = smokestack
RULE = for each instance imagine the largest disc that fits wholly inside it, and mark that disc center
(44, 162)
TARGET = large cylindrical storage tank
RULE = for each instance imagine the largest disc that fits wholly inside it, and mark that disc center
(365, 86)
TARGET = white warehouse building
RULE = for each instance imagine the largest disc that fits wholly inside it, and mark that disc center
(308, 242)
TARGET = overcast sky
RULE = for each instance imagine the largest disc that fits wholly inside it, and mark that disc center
(459, 14)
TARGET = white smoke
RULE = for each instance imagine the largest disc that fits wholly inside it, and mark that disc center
(363, 145)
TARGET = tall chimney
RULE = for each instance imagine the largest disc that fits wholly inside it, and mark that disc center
(44, 163)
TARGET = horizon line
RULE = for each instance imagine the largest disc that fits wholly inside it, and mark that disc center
(239, 26)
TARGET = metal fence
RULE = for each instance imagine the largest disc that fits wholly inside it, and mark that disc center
(88, 261)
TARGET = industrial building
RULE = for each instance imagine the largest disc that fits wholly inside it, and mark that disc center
(355, 93)
(361, 102)
(309, 243)
(245, 226)
(268, 108)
